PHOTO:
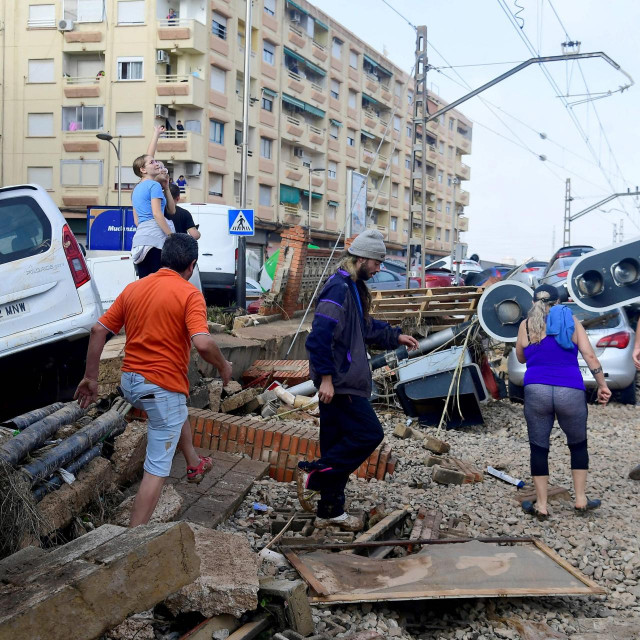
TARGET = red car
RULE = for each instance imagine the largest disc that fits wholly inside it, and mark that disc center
(437, 278)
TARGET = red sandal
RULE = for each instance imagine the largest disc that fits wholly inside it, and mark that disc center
(196, 474)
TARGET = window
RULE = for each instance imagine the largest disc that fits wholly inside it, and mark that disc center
(42, 16)
(332, 211)
(394, 189)
(407, 195)
(440, 146)
(268, 52)
(131, 12)
(218, 79)
(42, 176)
(266, 148)
(127, 176)
(449, 180)
(332, 169)
(335, 89)
(82, 118)
(336, 48)
(270, 7)
(216, 131)
(41, 71)
(409, 131)
(334, 131)
(215, 184)
(80, 173)
(394, 223)
(447, 235)
(398, 89)
(40, 124)
(84, 10)
(438, 234)
(219, 25)
(451, 124)
(25, 230)
(439, 206)
(129, 123)
(267, 103)
(265, 195)
(351, 137)
(447, 208)
(407, 162)
(130, 69)
(353, 59)
(410, 98)
(237, 137)
(352, 99)
(396, 123)
(395, 158)
(440, 177)
(451, 153)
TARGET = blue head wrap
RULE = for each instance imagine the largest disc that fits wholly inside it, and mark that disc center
(560, 324)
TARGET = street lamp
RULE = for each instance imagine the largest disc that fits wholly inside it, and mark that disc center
(109, 138)
(311, 196)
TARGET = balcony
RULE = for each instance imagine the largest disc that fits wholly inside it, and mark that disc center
(464, 144)
(463, 171)
(463, 223)
(462, 197)
(181, 146)
(185, 91)
(82, 87)
(182, 36)
(291, 214)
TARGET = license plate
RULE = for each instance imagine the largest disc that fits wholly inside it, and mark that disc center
(586, 373)
(8, 311)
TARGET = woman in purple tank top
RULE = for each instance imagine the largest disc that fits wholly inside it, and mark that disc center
(548, 342)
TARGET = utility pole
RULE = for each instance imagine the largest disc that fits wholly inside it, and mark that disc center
(419, 149)
(241, 275)
(454, 219)
(615, 233)
(621, 231)
(566, 236)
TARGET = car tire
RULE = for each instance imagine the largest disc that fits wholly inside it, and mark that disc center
(627, 395)
(516, 393)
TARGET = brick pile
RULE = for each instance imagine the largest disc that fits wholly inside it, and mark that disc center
(282, 444)
(291, 372)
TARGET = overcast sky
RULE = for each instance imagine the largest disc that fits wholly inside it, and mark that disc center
(517, 200)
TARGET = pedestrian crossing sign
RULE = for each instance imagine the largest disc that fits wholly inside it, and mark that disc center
(241, 222)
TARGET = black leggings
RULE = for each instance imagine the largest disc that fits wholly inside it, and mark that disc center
(542, 405)
(150, 264)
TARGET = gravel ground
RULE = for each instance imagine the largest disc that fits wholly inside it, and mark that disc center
(604, 544)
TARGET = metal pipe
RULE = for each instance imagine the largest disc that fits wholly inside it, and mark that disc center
(24, 420)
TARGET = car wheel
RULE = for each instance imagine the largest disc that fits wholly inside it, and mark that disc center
(627, 395)
(516, 392)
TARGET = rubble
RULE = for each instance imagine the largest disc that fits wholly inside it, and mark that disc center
(129, 451)
(238, 400)
(296, 605)
(168, 507)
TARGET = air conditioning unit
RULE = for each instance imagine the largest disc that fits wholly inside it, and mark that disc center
(162, 57)
(193, 168)
(161, 111)
(295, 16)
(65, 25)
(298, 152)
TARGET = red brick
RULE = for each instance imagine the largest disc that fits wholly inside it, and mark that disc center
(257, 445)
(233, 432)
(303, 445)
(208, 425)
(199, 426)
(311, 451)
(205, 441)
(224, 435)
(382, 462)
(288, 475)
(197, 440)
(268, 436)
(277, 438)
(215, 443)
(285, 442)
(251, 434)
(293, 447)
(281, 465)
(242, 434)
(391, 465)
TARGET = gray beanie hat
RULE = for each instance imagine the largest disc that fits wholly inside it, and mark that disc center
(369, 244)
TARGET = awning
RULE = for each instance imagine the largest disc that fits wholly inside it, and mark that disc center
(333, 203)
(269, 92)
(316, 196)
(321, 24)
(369, 98)
(293, 101)
(376, 65)
(336, 122)
(309, 65)
(313, 110)
(298, 7)
(366, 134)
(289, 195)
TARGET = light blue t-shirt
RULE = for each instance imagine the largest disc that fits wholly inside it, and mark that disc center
(141, 198)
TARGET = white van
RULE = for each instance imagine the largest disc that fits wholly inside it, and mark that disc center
(48, 299)
(217, 250)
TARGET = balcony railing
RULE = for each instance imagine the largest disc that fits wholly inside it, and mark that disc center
(82, 79)
(176, 22)
(173, 78)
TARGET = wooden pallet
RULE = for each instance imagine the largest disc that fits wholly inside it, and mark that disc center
(290, 371)
(440, 308)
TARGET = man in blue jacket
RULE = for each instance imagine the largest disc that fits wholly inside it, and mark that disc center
(349, 428)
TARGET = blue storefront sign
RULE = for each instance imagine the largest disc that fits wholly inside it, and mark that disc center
(110, 228)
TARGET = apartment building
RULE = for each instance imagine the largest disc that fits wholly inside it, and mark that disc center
(323, 105)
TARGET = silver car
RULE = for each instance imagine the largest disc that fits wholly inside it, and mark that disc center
(527, 273)
(612, 338)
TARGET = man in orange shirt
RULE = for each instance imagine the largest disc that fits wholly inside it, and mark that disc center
(162, 314)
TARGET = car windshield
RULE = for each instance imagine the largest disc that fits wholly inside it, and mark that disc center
(595, 319)
(562, 264)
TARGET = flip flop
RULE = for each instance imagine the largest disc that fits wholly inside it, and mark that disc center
(590, 506)
(529, 507)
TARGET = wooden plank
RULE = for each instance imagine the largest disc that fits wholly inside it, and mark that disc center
(378, 530)
(434, 298)
(305, 572)
(251, 629)
(436, 291)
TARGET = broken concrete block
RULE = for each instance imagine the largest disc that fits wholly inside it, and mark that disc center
(198, 397)
(215, 394)
(15, 563)
(228, 581)
(238, 400)
(402, 431)
(231, 388)
(447, 476)
(134, 628)
(435, 445)
(129, 451)
(294, 594)
(168, 507)
(83, 588)
(216, 327)
(430, 461)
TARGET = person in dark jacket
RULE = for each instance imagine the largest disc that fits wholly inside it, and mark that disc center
(349, 428)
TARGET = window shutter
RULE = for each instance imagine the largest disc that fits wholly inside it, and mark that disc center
(131, 12)
(129, 123)
(40, 175)
(40, 124)
(41, 71)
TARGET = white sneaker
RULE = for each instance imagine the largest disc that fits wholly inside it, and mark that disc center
(343, 521)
